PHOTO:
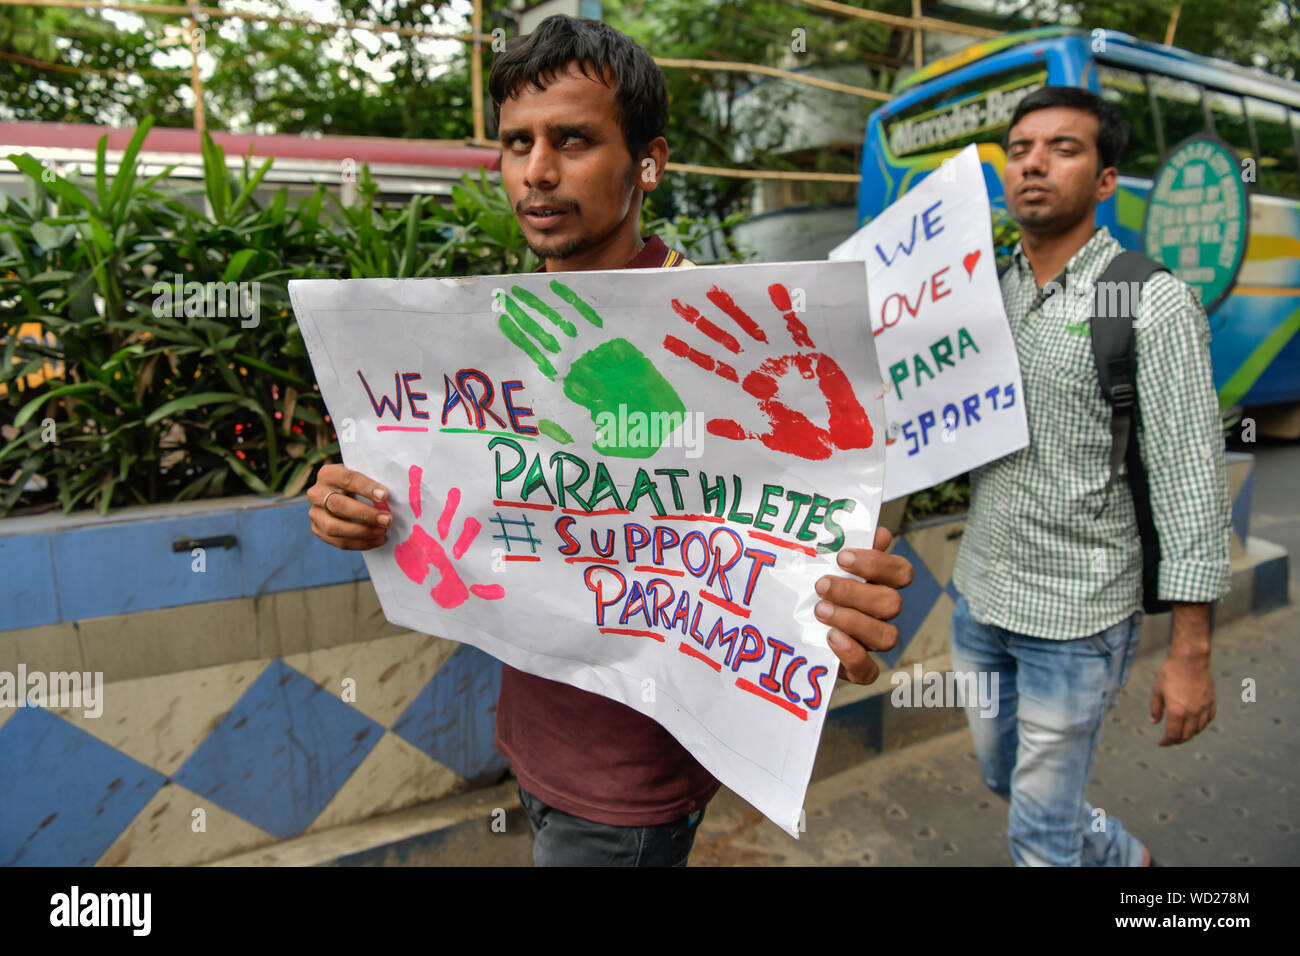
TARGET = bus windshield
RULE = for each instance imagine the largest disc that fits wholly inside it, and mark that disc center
(1168, 96)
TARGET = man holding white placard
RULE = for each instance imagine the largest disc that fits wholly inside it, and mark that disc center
(583, 117)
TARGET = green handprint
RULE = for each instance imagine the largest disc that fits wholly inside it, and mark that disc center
(614, 380)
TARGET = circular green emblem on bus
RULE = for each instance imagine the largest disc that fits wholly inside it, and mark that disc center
(1198, 217)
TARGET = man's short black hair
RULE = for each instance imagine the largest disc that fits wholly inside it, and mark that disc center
(602, 53)
(1112, 124)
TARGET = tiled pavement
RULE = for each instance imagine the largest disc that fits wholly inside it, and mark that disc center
(1228, 797)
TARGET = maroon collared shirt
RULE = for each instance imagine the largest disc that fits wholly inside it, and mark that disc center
(591, 756)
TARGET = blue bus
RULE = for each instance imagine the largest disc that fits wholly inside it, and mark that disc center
(1168, 95)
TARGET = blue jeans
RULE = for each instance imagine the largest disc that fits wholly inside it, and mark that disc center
(1037, 751)
(561, 839)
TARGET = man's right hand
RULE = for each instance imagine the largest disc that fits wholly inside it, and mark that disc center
(348, 524)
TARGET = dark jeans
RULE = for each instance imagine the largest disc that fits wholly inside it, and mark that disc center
(561, 839)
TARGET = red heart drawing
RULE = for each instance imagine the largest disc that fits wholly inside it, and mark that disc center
(969, 262)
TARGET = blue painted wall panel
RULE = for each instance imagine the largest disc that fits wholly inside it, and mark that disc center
(453, 719)
(281, 553)
(120, 568)
(281, 753)
(65, 795)
(918, 601)
(27, 597)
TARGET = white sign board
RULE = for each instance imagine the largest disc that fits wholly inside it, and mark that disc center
(952, 379)
(626, 481)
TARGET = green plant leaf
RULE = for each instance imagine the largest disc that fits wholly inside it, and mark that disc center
(298, 479)
(238, 467)
(237, 263)
(101, 237)
(190, 402)
(271, 370)
(28, 410)
(101, 171)
(55, 184)
(196, 487)
(46, 236)
(412, 238)
(215, 177)
(250, 186)
(125, 178)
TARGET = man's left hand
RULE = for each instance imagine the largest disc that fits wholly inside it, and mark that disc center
(1184, 687)
(857, 610)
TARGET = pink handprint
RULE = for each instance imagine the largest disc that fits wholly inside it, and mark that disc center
(789, 431)
(420, 551)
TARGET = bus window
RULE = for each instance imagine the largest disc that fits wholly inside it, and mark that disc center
(1128, 91)
(1180, 108)
(974, 112)
(1277, 171)
(1230, 121)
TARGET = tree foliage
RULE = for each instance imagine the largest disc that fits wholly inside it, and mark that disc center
(80, 65)
(707, 129)
(1258, 33)
(114, 392)
(113, 68)
(75, 66)
(727, 119)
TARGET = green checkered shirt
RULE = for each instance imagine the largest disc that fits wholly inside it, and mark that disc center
(1035, 558)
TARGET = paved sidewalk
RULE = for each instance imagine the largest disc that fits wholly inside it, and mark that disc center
(1228, 797)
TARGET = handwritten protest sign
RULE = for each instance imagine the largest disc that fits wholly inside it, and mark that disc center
(626, 481)
(952, 380)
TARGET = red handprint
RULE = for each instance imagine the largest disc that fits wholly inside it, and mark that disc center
(418, 552)
(789, 431)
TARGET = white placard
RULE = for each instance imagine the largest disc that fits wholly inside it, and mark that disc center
(953, 397)
(626, 481)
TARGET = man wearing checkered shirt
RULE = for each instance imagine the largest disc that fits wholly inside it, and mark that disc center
(1050, 566)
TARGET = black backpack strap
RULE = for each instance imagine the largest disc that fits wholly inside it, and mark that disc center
(1115, 302)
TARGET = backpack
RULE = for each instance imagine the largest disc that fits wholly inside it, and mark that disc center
(1114, 353)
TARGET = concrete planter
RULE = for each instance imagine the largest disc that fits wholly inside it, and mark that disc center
(252, 691)
(861, 722)
(265, 699)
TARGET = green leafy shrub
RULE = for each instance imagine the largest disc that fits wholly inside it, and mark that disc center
(122, 397)
(1006, 233)
(114, 395)
(946, 498)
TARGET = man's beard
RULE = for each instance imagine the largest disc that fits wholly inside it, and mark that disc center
(571, 247)
(567, 248)
(1047, 223)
